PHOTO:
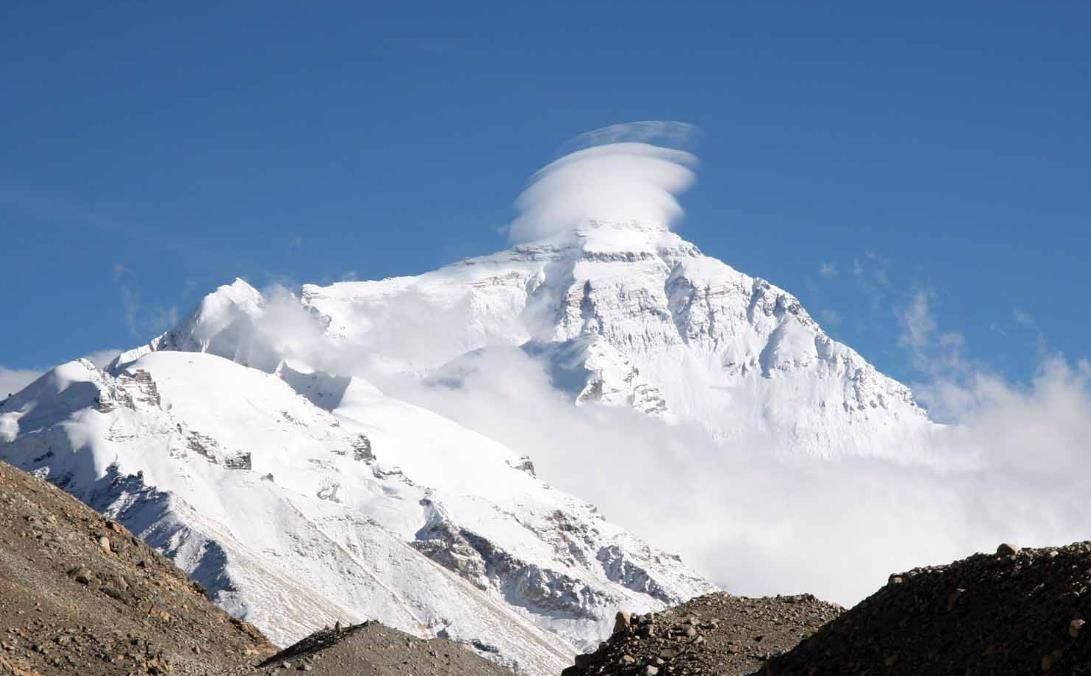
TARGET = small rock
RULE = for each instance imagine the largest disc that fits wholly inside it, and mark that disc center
(1075, 627)
(1007, 550)
(952, 598)
(104, 542)
(650, 671)
(622, 622)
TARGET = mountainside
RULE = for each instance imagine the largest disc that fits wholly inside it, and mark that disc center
(295, 516)
(631, 314)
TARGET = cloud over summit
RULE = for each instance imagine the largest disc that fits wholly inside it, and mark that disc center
(620, 177)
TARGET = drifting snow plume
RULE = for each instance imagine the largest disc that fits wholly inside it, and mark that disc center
(617, 182)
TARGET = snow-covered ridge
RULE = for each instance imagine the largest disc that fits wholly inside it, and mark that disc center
(295, 516)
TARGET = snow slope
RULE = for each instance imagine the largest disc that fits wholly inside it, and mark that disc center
(295, 516)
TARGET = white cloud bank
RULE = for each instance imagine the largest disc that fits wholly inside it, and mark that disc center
(1019, 470)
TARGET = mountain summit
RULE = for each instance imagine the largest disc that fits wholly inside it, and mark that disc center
(632, 314)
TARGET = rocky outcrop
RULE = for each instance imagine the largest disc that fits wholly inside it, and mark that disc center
(711, 634)
(375, 650)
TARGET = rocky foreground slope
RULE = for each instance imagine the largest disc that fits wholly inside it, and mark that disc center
(1014, 612)
(1019, 611)
(80, 594)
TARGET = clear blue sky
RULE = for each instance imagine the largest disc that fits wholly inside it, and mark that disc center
(150, 152)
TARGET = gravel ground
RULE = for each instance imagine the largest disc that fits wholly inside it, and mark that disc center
(371, 649)
(712, 634)
(79, 594)
(1013, 612)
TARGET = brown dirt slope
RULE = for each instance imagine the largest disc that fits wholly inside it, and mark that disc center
(713, 634)
(79, 594)
(371, 649)
(1014, 612)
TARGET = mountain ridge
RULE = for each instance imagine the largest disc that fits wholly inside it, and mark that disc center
(260, 408)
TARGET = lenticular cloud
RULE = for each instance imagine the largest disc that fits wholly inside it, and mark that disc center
(616, 182)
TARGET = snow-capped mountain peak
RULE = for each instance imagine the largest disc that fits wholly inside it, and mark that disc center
(247, 443)
(658, 325)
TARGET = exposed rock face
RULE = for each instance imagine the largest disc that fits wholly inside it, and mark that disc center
(712, 634)
(1020, 611)
(295, 516)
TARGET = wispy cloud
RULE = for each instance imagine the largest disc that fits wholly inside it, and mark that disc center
(660, 132)
(938, 354)
(870, 272)
(827, 270)
(52, 208)
(143, 321)
(830, 317)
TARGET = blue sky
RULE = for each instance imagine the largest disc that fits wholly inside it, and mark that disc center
(855, 154)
